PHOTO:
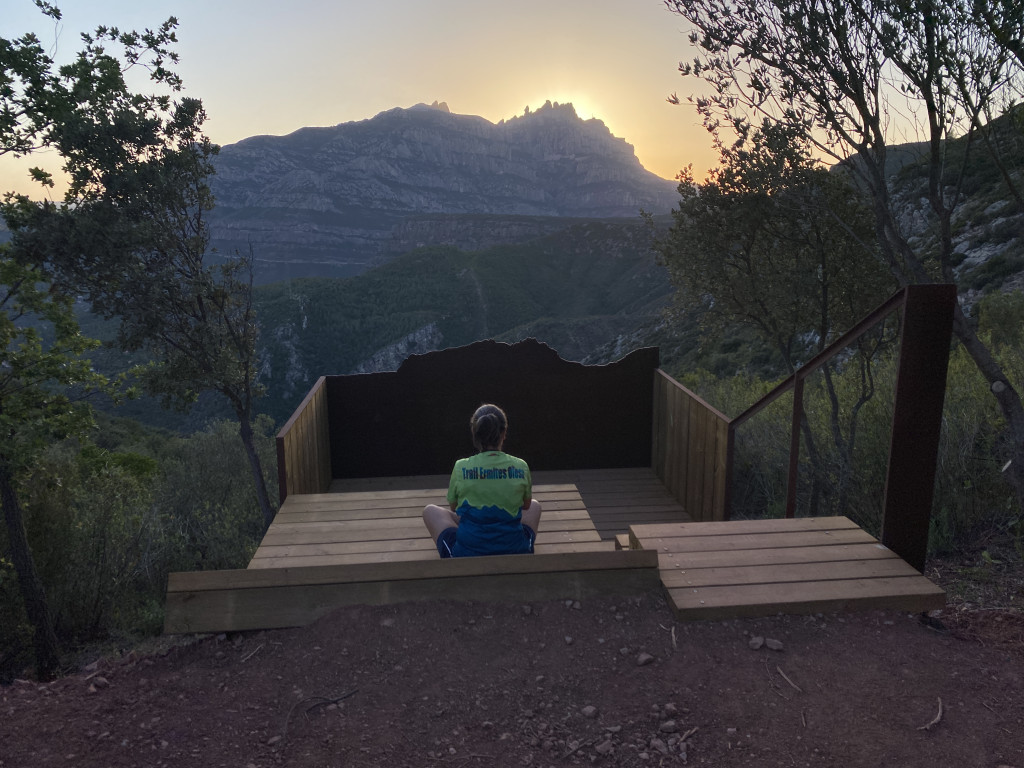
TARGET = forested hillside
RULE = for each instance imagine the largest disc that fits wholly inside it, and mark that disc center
(578, 291)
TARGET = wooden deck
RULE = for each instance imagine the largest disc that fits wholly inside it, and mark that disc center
(361, 546)
(763, 567)
(386, 525)
(365, 542)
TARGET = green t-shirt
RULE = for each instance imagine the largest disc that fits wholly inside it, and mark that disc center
(488, 491)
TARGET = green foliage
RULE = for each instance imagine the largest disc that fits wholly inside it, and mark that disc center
(838, 73)
(973, 500)
(774, 242)
(971, 493)
(131, 233)
(84, 109)
(1002, 320)
(205, 498)
(993, 272)
(41, 380)
(597, 274)
(107, 524)
(91, 524)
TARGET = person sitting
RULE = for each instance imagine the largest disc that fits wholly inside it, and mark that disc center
(490, 496)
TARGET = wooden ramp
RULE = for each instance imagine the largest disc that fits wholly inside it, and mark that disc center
(749, 568)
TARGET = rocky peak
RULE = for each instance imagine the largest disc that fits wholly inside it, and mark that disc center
(332, 198)
(440, 106)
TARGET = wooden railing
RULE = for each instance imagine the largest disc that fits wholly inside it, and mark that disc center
(691, 448)
(693, 444)
(917, 412)
(304, 446)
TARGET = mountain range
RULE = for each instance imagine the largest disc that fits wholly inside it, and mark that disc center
(335, 201)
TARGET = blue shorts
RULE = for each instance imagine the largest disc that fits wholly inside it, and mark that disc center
(446, 541)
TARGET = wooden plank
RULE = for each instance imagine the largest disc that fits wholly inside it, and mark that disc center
(397, 508)
(422, 543)
(583, 533)
(192, 581)
(760, 541)
(624, 518)
(685, 446)
(314, 444)
(825, 554)
(292, 463)
(305, 427)
(569, 520)
(707, 493)
(904, 593)
(279, 607)
(721, 469)
(265, 598)
(293, 561)
(622, 541)
(673, 459)
(299, 560)
(638, 514)
(540, 491)
(657, 423)
(695, 460)
(726, 527)
(344, 501)
(553, 511)
(312, 460)
(305, 445)
(323, 440)
(609, 499)
(786, 572)
(384, 541)
(301, 427)
(373, 542)
(614, 477)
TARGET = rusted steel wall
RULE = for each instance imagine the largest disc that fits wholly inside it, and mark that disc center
(562, 415)
(690, 449)
(304, 448)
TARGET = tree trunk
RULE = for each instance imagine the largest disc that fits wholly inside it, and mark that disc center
(245, 432)
(32, 592)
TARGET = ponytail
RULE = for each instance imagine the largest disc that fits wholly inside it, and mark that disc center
(487, 427)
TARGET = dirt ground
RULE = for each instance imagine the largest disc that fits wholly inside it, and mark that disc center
(616, 683)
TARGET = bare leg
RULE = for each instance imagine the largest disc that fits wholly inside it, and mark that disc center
(437, 519)
(531, 515)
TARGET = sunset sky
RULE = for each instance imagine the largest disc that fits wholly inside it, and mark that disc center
(271, 67)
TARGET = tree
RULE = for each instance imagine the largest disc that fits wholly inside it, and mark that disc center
(205, 331)
(130, 232)
(852, 76)
(777, 243)
(41, 383)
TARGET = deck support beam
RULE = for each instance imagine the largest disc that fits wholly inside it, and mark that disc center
(917, 420)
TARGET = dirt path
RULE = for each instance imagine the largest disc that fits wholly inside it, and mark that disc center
(548, 684)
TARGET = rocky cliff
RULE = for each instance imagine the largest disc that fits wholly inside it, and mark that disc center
(335, 201)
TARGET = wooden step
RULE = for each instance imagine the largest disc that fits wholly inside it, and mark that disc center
(762, 567)
(222, 601)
